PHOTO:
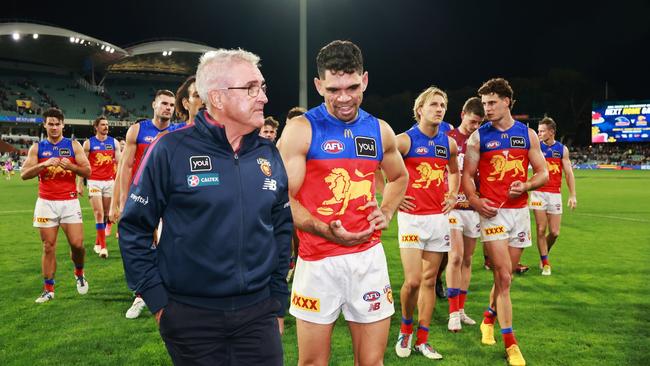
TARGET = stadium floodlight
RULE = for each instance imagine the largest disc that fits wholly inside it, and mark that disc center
(112, 50)
(164, 53)
(82, 41)
(76, 40)
(35, 36)
(103, 47)
(169, 53)
(71, 39)
(15, 36)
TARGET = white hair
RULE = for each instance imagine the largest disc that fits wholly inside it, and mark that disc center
(211, 68)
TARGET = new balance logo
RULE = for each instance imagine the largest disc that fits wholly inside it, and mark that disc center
(270, 184)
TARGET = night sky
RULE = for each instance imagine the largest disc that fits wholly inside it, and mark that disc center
(407, 45)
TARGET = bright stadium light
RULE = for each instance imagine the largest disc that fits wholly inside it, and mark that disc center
(112, 50)
(35, 36)
(169, 53)
(164, 53)
(71, 39)
(76, 40)
(15, 36)
(82, 41)
(103, 47)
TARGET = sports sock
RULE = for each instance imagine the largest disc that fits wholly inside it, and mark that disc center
(453, 299)
(78, 271)
(101, 234)
(48, 284)
(544, 259)
(508, 337)
(461, 299)
(489, 316)
(407, 326)
(423, 335)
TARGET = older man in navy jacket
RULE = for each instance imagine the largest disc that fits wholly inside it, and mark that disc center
(216, 281)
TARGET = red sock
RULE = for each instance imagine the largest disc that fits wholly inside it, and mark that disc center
(422, 336)
(489, 316)
(79, 272)
(101, 238)
(461, 299)
(406, 328)
(545, 262)
(454, 304)
(509, 339)
(49, 284)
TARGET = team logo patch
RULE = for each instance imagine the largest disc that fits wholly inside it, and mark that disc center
(47, 153)
(332, 146)
(374, 307)
(536, 203)
(389, 293)
(108, 147)
(96, 147)
(453, 221)
(441, 151)
(64, 152)
(95, 190)
(41, 220)
(556, 154)
(270, 184)
(265, 166)
(149, 139)
(421, 150)
(305, 303)
(203, 179)
(344, 190)
(200, 164)
(366, 146)
(410, 238)
(517, 141)
(371, 296)
(494, 230)
(492, 144)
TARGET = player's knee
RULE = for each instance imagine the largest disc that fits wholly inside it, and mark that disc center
(455, 261)
(554, 233)
(467, 261)
(412, 284)
(541, 230)
(77, 244)
(49, 246)
(503, 278)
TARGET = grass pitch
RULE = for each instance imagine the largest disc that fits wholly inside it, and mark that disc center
(593, 310)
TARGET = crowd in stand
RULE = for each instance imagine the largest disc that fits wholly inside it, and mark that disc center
(619, 154)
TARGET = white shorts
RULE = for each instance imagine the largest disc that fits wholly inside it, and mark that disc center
(425, 232)
(357, 284)
(49, 213)
(467, 221)
(512, 224)
(102, 188)
(547, 201)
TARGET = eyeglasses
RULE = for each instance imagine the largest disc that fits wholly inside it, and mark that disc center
(253, 90)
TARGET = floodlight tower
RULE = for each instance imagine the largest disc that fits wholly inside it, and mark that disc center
(302, 101)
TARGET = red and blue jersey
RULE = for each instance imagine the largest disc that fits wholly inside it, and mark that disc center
(340, 178)
(147, 133)
(553, 155)
(54, 182)
(504, 159)
(426, 163)
(102, 158)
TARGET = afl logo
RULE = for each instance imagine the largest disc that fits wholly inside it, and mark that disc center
(47, 153)
(192, 180)
(333, 146)
(149, 139)
(493, 144)
(421, 150)
(371, 296)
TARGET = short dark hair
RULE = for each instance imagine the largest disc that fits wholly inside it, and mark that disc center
(53, 112)
(96, 121)
(295, 112)
(498, 86)
(270, 121)
(166, 92)
(475, 106)
(548, 121)
(339, 56)
(183, 92)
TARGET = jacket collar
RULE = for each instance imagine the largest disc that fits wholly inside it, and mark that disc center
(205, 124)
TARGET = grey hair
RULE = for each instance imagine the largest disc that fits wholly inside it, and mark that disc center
(210, 69)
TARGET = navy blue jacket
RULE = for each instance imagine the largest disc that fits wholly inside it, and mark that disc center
(226, 236)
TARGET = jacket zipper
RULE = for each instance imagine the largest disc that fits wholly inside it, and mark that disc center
(242, 286)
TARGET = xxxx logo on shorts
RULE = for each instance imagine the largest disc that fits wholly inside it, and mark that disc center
(306, 303)
(410, 238)
(453, 221)
(494, 230)
(41, 220)
(535, 203)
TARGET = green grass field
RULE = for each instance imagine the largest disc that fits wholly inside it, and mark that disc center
(593, 310)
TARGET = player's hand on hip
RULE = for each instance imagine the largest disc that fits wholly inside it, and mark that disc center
(376, 217)
(281, 325)
(341, 236)
(407, 204)
(159, 315)
(448, 204)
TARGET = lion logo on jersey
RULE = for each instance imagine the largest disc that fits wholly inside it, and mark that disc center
(553, 168)
(103, 159)
(502, 165)
(345, 189)
(428, 175)
(53, 171)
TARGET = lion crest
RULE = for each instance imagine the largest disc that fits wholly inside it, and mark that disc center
(53, 171)
(502, 165)
(344, 189)
(101, 159)
(553, 168)
(428, 175)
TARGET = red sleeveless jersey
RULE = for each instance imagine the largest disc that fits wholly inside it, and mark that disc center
(102, 158)
(461, 143)
(339, 179)
(553, 155)
(54, 182)
(504, 159)
(426, 163)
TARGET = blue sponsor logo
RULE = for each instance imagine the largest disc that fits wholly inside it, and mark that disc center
(204, 179)
(371, 296)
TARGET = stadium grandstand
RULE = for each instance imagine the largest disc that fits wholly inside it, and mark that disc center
(44, 66)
